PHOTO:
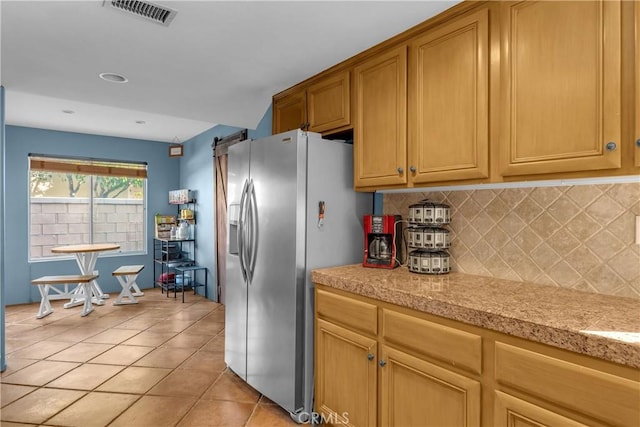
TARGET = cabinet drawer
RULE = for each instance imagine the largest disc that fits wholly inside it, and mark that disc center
(349, 312)
(603, 396)
(511, 411)
(455, 347)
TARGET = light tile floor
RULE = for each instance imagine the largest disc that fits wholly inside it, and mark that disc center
(156, 363)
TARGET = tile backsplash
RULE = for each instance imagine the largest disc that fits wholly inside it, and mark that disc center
(580, 236)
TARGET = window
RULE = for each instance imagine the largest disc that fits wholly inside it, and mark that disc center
(79, 201)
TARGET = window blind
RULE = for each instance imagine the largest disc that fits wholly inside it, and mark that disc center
(88, 167)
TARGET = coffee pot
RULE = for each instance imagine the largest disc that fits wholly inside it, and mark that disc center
(379, 248)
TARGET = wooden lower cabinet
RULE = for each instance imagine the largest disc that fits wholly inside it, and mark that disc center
(405, 373)
(590, 392)
(510, 411)
(346, 378)
(415, 392)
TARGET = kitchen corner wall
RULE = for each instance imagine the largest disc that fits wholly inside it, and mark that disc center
(197, 174)
(580, 237)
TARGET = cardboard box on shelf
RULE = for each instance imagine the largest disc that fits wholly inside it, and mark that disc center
(177, 197)
(163, 226)
(165, 219)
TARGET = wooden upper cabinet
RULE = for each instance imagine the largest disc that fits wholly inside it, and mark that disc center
(380, 129)
(561, 86)
(328, 103)
(320, 107)
(290, 112)
(448, 101)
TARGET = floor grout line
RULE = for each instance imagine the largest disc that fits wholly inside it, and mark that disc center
(194, 315)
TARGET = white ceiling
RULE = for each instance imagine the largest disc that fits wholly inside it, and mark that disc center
(218, 62)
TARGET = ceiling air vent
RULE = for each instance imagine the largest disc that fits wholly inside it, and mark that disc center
(159, 14)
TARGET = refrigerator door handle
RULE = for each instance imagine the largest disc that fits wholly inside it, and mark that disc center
(255, 231)
(241, 230)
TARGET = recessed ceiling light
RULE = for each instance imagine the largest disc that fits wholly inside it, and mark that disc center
(113, 77)
(68, 111)
(140, 122)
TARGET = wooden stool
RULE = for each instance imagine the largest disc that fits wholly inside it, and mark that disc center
(127, 275)
(82, 292)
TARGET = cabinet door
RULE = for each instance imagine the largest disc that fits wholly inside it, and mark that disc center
(290, 112)
(448, 101)
(345, 376)
(329, 104)
(417, 393)
(380, 136)
(513, 412)
(637, 82)
(561, 86)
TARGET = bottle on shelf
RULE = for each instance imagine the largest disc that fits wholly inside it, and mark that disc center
(183, 230)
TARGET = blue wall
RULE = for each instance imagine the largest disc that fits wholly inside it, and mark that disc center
(3, 364)
(163, 175)
(197, 174)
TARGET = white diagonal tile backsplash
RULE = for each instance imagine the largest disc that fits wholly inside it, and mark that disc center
(578, 236)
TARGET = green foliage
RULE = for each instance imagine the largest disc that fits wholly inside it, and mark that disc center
(111, 187)
(103, 186)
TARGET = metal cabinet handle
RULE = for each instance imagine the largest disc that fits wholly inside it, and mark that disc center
(400, 170)
(611, 146)
(382, 363)
(638, 143)
(413, 169)
(370, 356)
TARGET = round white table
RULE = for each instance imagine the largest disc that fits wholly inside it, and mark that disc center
(86, 257)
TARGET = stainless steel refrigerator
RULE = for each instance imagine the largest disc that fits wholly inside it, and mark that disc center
(277, 187)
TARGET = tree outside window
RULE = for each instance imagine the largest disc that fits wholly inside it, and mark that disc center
(80, 201)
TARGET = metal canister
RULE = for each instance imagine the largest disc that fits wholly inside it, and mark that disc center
(439, 263)
(441, 213)
(428, 237)
(441, 239)
(415, 213)
(428, 212)
(415, 237)
(419, 262)
(425, 262)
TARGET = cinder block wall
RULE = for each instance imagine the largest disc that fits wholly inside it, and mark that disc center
(65, 221)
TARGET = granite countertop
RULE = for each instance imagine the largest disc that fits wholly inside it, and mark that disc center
(602, 326)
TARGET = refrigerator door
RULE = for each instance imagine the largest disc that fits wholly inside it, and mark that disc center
(337, 239)
(275, 303)
(236, 285)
